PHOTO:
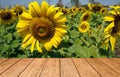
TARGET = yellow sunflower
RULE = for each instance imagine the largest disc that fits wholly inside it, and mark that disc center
(84, 27)
(85, 16)
(7, 16)
(73, 9)
(112, 31)
(103, 10)
(95, 7)
(18, 9)
(81, 9)
(41, 26)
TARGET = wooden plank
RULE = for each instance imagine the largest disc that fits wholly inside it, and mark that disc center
(102, 69)
(68, 68)
(4, 66)
(84, 68)
(115, 66)
(34, 69)
(3, 60)
(117, 60)
(51, 68)
(16, 69)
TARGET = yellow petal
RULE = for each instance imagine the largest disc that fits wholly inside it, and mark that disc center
(23, 33)
(38, 46)
(54, 42)
(25, 15)
(26, 38)
(62, 20)
(58, 14)
(57, 38)
(44, 7)
(112, 12)
(30, 41)
(48, 46)
(109, 18)
(61, 26)
(61, 30)
(107, 36)
(22, 25)
(33, 44)
(50, 11)
(109, 27)
(34, 9)
(112, 42)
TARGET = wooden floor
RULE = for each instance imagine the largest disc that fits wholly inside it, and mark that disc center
(60, 67)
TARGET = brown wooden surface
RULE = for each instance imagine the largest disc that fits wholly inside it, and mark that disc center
(60, 67)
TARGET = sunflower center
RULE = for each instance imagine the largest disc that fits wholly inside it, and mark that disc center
(42, 29)
(6, 15)
(86, 16)
(18, 10)
(96, 8)
(116, 28)
(83, 27)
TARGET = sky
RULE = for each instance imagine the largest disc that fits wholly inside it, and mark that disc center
(4, 3)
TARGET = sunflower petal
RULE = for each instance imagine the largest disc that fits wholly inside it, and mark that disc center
(54, 42)
(44, 7)
(58, 14)
(112, 12)
(108, 18)
(57, 38)
(34, 9)
(26, 38)
(50, 11)
(25, 15)
(61, 20)
(38, 47)
(112, 42)
(32, 46)
(30, 41)
(109, 27)
(48, 46)
(22, 25)
(61, 30)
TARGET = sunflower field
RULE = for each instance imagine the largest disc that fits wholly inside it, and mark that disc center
(43, 30)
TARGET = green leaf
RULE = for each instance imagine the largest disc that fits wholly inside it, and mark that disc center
(74, 34)
(8, 37)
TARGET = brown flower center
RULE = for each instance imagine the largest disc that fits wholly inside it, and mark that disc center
(42, 29)
(5, 15)
(116, 28)
(96, 8)
(18, 10)
(83, 27)
(86, 17)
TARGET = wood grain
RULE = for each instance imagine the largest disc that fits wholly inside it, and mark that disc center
(60, 67)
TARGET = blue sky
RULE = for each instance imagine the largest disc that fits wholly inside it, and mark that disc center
(4, 3)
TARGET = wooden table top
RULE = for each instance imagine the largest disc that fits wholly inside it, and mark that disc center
(60, 67)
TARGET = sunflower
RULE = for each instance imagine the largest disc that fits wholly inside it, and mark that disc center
(84, 27)
(85, 16)
(41, 26)
(18, 9)
(95, 7)
(7, 16)
(64, 10)
(103, 10)
(72, 15)
(73, 9)
(81, 9)
(112, 31)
